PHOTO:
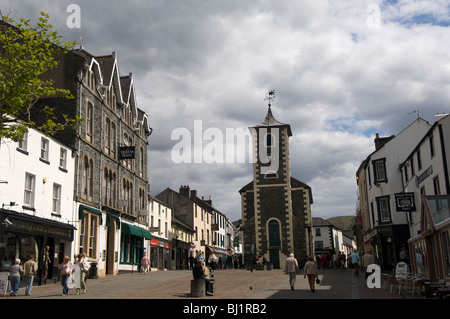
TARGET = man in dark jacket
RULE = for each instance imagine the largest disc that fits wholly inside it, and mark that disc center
(199, 273)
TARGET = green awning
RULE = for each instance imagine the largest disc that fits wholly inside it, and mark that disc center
(136, 231)
(108, 219)
(92, 210)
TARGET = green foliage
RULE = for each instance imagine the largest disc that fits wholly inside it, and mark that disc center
(27, 53)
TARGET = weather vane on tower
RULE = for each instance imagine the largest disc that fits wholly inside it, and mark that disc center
(270, 96)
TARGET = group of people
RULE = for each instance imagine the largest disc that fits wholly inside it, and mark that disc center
(29, 271)
(337, 260)
(228, 261)
(309, 271)
(77, 274)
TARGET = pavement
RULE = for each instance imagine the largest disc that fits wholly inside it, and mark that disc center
(229, 284)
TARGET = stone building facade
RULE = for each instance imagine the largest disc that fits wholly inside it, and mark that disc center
(276, 208)
(110, 143)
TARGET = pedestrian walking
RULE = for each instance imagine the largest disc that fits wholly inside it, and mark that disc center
(324, 261)
(191, 261)
(29, 271)
(66, 271)
(310, 271)
(367, 260)
(14, 277)
(354, 258)
(145, 263)
(291, 269)
(83, 265)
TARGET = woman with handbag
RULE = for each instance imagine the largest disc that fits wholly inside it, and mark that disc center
(310, 270)
(66, 271)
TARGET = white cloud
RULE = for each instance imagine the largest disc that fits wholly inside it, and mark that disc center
(337, 78)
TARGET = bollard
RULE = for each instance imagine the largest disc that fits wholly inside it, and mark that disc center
(197, 287)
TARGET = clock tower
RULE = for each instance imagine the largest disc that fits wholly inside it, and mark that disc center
(276, 211)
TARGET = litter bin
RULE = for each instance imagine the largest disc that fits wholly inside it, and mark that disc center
(94, 271)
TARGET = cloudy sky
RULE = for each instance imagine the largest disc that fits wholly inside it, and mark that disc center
(342, 71)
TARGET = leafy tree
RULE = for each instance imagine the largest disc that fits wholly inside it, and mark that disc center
(27, 53)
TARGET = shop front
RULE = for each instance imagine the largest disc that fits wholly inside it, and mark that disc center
(160, 254)
(181, 253)
(387, 242)
(430, 250)
(23, 235)
(132, 246)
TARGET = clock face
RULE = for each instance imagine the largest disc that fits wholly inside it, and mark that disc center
(270, 159)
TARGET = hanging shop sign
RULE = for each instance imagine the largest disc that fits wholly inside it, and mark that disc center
(127, 152)
(405, 202)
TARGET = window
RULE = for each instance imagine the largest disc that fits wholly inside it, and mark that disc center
(23, 144)
(127, 195)
(141, 162)
(92, 236)
(445, 251)
(89, 234)
(274, 234)
(63, 158)
(113, 140)
(431, 145)
(44, 149)
(437, 188)
(318, 232)
(270, 140)
(29, 189)
(88, 180)
(89, 121)
(56, 202)
(412, 166)
(108, 136)
(419, 160)
(384, 210)
(109, 188)
(318, 244)
(379, 167)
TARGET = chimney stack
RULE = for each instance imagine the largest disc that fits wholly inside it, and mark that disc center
(184, 191)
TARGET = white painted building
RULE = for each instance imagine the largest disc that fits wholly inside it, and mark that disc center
(160, 246)
(388, 229)
(36, 196)
(425, 174)
(328, 238)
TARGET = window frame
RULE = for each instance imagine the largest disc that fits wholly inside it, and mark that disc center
(384, 213)
(30, 180)
(376, 163)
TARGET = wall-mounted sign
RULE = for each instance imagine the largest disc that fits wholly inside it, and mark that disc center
(404, 202)
(126, 152)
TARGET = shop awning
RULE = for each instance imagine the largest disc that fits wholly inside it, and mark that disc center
(91, 209)
(33, 225)
(108, 219)
(136, 231)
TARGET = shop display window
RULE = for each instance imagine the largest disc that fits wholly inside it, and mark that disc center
(445, 251)
(420, 259)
